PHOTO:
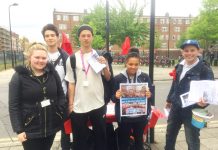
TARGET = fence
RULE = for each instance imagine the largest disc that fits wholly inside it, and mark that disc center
(9, 59)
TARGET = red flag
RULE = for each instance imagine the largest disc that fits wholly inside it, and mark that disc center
(66, 45)
(125, 46)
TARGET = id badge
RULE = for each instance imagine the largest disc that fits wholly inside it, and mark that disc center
(85, 83)
(45, 103)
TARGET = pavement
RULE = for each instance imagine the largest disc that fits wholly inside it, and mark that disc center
(208, 135)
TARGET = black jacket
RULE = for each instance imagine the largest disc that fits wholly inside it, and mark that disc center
(201, 71)
(123, 78)
(25, 95)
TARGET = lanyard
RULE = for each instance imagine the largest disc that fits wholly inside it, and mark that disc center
(83, 64)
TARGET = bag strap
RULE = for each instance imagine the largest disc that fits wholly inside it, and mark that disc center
(57, 61)
(73, 65)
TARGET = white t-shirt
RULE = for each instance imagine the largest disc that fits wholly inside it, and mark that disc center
(59, 68)
(88, 97)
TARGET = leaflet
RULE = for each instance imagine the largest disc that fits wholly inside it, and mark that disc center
(93, 61)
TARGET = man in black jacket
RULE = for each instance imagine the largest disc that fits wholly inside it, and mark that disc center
(57, 57)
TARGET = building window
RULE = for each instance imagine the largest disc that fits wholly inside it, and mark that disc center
(62, 26)
(187, 21)
(177, 29)
(65, 18)
(179, 21)
(75, 18)
(168, 21)
(173, 37)
(162, 21)
(164, 45)
(58, 17)
(164, 29)
(174, 21)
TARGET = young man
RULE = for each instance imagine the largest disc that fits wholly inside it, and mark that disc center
(58, 57)
(86, 95)
(190, 68)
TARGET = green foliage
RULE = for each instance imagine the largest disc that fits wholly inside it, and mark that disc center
(205, 26)
(123, 22)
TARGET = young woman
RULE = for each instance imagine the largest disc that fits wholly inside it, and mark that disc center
(36, 100)
(190, 68)
(129, 125)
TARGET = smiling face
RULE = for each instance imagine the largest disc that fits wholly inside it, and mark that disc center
(38, 60)
(190, 54)
(50, 38)
(132, 65)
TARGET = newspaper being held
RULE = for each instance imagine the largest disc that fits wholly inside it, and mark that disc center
(133, 101)
(204, 89)
(186, 101)
(93, 61)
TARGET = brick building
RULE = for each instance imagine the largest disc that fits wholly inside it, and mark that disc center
(169, 28)
(5, 40)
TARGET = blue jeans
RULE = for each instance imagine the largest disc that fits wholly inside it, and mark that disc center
(177, 117)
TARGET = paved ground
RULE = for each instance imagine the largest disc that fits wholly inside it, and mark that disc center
(209, 135)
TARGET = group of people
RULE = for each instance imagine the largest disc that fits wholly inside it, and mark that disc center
(44, 92)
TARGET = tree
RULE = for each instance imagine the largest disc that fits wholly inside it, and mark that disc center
(205, 26)
(123, 22)
(24, 43)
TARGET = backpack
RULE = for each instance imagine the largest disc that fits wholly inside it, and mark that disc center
(108, 85)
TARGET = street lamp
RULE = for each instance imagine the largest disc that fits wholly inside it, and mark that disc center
(9, 12)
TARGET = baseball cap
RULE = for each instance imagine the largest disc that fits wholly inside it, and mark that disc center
(84, 27)
(190, 42)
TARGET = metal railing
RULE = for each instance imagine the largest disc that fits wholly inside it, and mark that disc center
(7, 56)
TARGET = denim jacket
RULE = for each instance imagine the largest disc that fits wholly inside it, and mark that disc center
(201, 71)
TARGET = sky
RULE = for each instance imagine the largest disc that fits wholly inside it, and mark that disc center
(28, 18)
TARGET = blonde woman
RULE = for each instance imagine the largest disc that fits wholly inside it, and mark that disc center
(36, 100)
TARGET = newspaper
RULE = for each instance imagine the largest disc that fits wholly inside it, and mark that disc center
(204, 89)
(133, 101)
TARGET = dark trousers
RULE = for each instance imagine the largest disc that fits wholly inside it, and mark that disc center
(39, 143)
(81, 132)
(126, 129)
(65, 140)
(177, 117)
(111, 137)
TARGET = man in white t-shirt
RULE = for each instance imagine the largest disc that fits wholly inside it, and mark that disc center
(86, 95)
(58, 58)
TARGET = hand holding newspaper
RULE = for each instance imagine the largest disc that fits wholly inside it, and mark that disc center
(204, 89)
(93, 61)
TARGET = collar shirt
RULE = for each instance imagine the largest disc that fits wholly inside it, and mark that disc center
(186, 68)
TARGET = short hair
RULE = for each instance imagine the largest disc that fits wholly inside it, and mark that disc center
(50, 27)
(84, 27)
(35, 46)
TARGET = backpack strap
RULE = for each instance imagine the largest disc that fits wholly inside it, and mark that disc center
(57, 61)
(73, 65)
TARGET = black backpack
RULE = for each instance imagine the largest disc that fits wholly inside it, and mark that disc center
(108, 85)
